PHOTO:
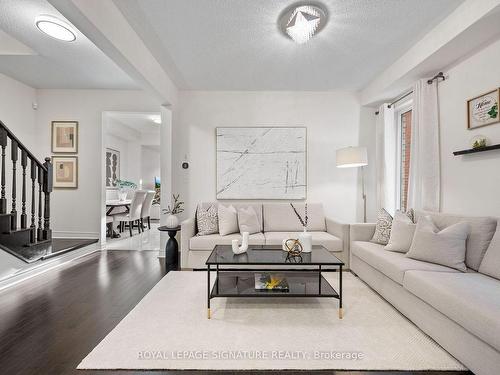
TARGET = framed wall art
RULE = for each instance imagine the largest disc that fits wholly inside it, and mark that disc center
(64, 137)
(65, 172)
(483, 109)
(112, 168)
(261, 162)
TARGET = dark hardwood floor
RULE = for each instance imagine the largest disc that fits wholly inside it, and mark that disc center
(49, 323)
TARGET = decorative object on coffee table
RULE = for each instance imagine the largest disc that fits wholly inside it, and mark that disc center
(304, 238)
(354, 157)
(292, 246)
(171, 249)
(172, 211)
(479, 141)
(244, 244)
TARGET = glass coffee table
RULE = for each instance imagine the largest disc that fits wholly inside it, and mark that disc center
(234, 277)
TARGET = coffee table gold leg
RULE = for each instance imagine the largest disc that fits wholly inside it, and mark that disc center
(208, 313)
(341, 313)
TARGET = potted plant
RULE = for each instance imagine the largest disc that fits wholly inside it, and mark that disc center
(124, 187)
(172, 211)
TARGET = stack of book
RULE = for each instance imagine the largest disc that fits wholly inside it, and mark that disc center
(269, 281)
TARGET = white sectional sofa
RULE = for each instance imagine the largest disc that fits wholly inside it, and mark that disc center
(461, 311)
(278, 221)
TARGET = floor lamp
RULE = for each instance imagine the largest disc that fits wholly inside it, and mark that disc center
(353, 157)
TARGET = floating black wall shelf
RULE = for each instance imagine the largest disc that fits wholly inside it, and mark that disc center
(474, 150)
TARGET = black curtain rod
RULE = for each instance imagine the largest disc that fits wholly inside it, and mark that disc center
(429, 81)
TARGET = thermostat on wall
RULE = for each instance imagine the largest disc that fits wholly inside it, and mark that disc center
(185, 165)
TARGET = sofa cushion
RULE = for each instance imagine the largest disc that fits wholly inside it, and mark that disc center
(490, 265)
(228, 220)
(208, 242)
(280, 217)
(325, 239)
(470, 299)
(248, 220)
(256, 206)
(391, 264)
(482, 230)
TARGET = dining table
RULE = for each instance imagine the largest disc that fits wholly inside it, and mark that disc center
(111, 205)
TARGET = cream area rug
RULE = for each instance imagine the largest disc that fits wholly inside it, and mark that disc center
(169, 330)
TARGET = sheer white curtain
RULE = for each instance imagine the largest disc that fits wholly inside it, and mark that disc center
(386, 134)
(424, 186)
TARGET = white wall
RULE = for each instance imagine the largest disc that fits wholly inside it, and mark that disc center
(332, 121)
(150, 167)
(470, 183)
(77, 212)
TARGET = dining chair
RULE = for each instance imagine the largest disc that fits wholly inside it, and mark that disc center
(146, 208)
(134, 213)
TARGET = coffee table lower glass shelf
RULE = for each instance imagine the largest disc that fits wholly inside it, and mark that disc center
(300, 284)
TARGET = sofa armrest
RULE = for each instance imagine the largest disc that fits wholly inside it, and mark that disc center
(362, 231)
(188, 230)
(339, 230)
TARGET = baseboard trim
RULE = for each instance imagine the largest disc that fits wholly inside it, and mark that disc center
(74, 234)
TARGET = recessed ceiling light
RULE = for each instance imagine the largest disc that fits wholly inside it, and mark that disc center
(156, 119)
(302, 22)
(55, 28)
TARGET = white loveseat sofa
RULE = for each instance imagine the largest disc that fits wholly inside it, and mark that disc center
(461, 311)
(278, 221)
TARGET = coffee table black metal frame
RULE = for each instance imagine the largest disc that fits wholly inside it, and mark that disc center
(304, 273)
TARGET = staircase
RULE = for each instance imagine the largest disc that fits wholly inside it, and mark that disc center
(24, 222)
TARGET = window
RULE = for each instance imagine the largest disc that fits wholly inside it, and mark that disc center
(403, 117)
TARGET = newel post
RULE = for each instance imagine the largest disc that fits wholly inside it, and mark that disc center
(47, 189)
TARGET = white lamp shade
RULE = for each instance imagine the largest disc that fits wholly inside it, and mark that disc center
(351, 157)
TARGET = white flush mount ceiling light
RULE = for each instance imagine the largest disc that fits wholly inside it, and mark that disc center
(302, 22)
(55, 28)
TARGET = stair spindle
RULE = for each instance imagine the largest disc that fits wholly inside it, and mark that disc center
(47, 189)
(3, 143)
(34, 169)
(39, 234)
(24, 164)
(14, 155)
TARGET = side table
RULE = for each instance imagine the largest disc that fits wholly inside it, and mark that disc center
(171, 249)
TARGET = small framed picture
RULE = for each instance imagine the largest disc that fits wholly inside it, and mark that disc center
(483, 110)
(64, 137)
(65, 172)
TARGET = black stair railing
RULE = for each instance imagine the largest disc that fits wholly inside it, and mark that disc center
(40, 173)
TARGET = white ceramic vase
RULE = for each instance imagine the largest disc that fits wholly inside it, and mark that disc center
(172, 221)
(305, 239)
(122, 195)
(244, 244)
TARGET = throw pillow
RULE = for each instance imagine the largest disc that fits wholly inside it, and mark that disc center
(228, 220)
(206, 220)
(402, 232)
(445, 247)
(383, 228)
(490, 265)
(248, 220)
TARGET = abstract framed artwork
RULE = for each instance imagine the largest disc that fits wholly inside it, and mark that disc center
(261, 162)
(112, 168)
(64, 137)
(65, 172)
(483, 109)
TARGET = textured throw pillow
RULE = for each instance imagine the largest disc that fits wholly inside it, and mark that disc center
(383, 228)
(490, 265)
(445, 247)
(248, 220)
(402, 232)
(206, 220)
(228, 220)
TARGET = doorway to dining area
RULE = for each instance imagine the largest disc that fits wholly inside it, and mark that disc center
(132, 170)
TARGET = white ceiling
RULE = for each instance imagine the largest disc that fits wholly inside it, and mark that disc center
(52, 63)
(139, 122)
(235, 44)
